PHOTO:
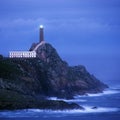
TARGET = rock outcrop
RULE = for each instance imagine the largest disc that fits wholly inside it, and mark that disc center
(11, 100)
(46, 75)
(65, 80)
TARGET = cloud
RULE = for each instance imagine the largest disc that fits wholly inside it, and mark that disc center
(83, 24)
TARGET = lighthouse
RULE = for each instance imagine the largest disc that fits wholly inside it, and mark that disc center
(31, 53)
(41, 33)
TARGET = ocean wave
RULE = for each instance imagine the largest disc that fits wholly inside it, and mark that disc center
(38, 112)
(80, 98)
(115, 85)
(105, 92)
(88, 109)
(67, 100)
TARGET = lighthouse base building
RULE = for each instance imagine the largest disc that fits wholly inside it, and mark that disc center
(22, 54)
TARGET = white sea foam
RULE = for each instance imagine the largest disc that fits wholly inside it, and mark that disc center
(66, 100)
(38, 112)
(106, 92)
(88, 109)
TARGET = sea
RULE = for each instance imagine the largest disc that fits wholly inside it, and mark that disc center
(106, 107)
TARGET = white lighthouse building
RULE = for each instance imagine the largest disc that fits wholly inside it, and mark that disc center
(22, 54)
(28, 54)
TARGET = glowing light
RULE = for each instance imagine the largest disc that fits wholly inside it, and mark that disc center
(41, 26)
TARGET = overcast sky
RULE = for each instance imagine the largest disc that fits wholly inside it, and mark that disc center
(83, 31)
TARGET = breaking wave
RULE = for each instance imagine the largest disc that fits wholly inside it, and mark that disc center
(106, 92)
(38, 112)
(69, 100)
(88, 109)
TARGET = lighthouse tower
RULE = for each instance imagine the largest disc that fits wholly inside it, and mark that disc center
(41, 33)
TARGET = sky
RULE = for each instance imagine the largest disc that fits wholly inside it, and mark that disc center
(83, 32)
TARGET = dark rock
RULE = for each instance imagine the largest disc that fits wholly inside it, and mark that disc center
(66, 80)
(47, 75)
(10, 100)
(1, 57)
(94, 107)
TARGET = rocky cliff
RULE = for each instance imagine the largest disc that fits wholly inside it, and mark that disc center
(46, 75)
(64, 80)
